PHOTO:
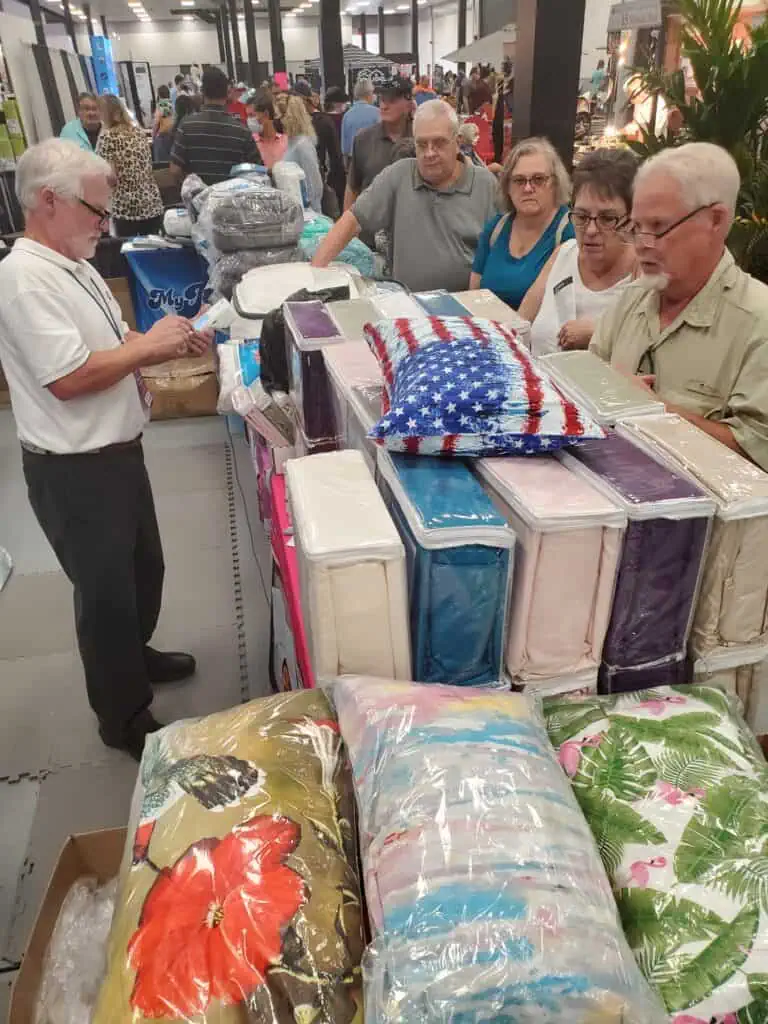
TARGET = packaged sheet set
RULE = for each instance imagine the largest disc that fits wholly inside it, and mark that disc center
(483, 303)
(350, 365)
(569, 543)
(730, 626)
(459, 553)
(351, 566)
(486, 895)
(238, 897)
(664, 547)
(676, 792)
(609, 396)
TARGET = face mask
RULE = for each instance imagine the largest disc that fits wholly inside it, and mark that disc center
(254, 125)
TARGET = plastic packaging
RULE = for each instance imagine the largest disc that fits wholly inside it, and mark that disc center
(460, 556)
(465, 386)
(267, 288)
(76, 959)
(177, 223)
(239, 898)
(486, 895)
(352, 315)
(440, 303)
(352, 568)
(355, 253)
(392, 305)
(309, 327)
(483, 303)
(248, 213)
(230, 268)
(673, 786)
(6, 567)
(749, 683)
(609, 395)
(662, 556)
(238, 367)
(730, 613)
(569, 543)
(289, 178)
(267, 417)
(365, 402)
(573, 684)
(350, 365)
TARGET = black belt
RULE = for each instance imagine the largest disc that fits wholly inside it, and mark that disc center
(118, 446)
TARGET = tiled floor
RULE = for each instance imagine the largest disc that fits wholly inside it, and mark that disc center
(55, 776)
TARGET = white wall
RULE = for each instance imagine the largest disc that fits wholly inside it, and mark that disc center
(595, 37)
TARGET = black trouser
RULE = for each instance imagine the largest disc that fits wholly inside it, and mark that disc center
(98, 513)
(132, 228)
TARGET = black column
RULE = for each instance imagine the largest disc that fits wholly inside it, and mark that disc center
(461, 36)
(88, 19)
(250, 38)
(331, 50)
(363, 36)
(70, 26)
(227, 41)
(276, 36)
(415, 36)
(47, 79)
(104, 28)
(548, 36)
(235, 37)
(382, 48)
(220, 37)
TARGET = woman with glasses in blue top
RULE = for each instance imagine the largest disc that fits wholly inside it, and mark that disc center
(514, 246)
(585, 277)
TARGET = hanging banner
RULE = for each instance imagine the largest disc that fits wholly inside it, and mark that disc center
(104, 66)
(14, 125)
(164, 281)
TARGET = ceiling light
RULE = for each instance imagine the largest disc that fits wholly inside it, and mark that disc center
(403, 7)
(187, 17)
(187, 3)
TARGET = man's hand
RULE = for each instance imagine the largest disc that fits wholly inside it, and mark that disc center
(173, 337)
(576, 334)
(647, 381)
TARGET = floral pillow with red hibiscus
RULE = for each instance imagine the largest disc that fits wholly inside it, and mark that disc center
(239, 899)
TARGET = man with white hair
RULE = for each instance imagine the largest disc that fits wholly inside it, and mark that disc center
(433, 207)
(694, 326)
(80, 405)
(362, 114)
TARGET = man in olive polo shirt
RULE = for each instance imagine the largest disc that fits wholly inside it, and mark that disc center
(694, 327)
(379, 145)
(433, 207)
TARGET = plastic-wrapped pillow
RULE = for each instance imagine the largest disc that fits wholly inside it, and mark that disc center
(230, 268)
(355, 253)
(466, 386)
(485, 891)
(238, 897)
(248, 213)
(675, 789)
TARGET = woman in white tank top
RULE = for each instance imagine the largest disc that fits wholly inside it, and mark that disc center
(585, 277)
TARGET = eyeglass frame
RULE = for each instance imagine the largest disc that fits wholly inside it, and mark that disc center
(656, 235)
(620, 224)
(523, 180)
(103, 215)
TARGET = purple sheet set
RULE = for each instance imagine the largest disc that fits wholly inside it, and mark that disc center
(669, 520)
(310, 327)
(569, 535)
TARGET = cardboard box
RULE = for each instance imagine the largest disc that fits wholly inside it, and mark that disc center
(91, 853)
(183, 387)
(122, 292)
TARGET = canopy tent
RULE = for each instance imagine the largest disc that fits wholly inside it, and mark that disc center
(355, 59)
(493, 49)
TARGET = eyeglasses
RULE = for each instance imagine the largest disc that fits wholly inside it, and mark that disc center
(604, 221)
(650, 238)
(103, 215)
(536, 181)
(440, 143)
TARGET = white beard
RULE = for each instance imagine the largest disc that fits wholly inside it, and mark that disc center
(658, 282)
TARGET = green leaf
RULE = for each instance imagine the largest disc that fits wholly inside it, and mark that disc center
(663, 921)
(708, 695)
(758, 987)
(687, 771)
(566, 719)
(614, 824)
(716, 963)
(755, 1013)
(619, 764)
(694, 732)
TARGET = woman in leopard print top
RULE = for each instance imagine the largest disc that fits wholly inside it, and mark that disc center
(137, 208)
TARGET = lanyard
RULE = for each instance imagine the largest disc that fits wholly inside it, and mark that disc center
(100, 300)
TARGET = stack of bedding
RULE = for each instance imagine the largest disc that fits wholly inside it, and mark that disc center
(660, 567)
(485, 891)
(351, 568)
(459, 554)
(310, 328)
(569, 537)
(355, 377)
(609, 396)
(482, 303)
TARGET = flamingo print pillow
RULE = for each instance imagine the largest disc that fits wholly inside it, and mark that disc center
(485, 891)
(675, 789)
(239, 899)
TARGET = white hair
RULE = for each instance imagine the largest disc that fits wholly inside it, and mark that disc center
(432, 110)
(705, 173)
(363, 88)
(469, 133)
(59, 165)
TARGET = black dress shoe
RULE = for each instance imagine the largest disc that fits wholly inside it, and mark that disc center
(131, 738)
(168, 667)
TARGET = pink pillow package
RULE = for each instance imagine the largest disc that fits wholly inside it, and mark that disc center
(466, 386)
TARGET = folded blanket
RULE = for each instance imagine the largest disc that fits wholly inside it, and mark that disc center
(238, 899)
(485, 892)
(676, 791)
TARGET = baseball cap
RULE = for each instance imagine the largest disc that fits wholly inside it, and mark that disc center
(397, 86)
(303, 88)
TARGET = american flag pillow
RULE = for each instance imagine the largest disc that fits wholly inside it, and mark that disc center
(466, 386)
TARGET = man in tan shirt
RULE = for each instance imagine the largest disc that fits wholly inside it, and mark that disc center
(694, 326)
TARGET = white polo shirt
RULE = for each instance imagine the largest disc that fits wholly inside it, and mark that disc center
(54, 312)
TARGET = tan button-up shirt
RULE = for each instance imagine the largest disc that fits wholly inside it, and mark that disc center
(711, 360)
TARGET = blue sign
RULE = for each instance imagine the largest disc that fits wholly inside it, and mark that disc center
(104, 66)
(166, 281)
